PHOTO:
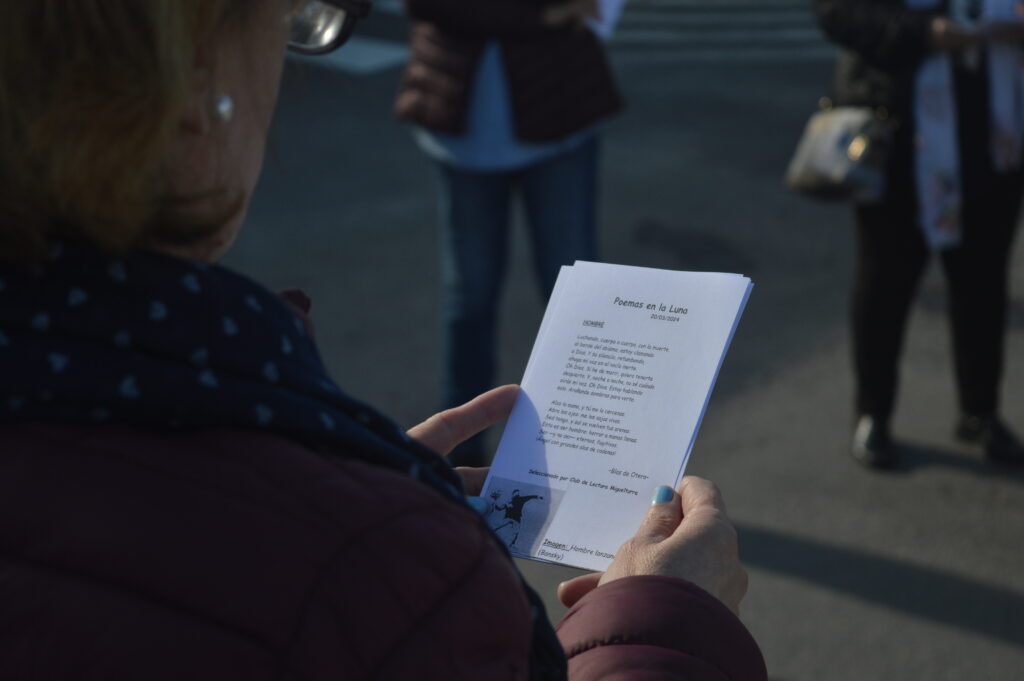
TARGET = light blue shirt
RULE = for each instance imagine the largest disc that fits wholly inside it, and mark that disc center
(489, 142)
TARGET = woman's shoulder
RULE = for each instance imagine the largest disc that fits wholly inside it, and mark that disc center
(231, 477)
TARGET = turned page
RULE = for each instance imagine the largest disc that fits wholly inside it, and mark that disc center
(611, 401)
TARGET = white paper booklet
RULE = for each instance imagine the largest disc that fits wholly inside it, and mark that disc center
(611, 401)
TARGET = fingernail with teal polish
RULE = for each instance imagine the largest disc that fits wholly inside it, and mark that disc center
(663, 494)
(479, 504)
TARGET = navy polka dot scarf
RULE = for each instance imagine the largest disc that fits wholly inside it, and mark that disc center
(157, 341)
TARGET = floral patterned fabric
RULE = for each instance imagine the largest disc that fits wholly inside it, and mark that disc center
(938, 158)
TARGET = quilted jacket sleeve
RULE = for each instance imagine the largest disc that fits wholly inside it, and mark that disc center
(654, 629)
(422, 591)
(885, 33)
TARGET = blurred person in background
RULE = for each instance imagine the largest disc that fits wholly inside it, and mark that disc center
(950, 74)
(507, 99)
(185, 492)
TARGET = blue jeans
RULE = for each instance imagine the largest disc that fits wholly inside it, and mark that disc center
(560, 196)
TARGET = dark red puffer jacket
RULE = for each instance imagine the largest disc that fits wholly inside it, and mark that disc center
(225, 554)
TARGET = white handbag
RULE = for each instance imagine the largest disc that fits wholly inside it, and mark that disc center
(842, 154)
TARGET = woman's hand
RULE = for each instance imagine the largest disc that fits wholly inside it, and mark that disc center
(570, 13)
(1003, 32)
(949, 36)
(443, 431)
(686, 535)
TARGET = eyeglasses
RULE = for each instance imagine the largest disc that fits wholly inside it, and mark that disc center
(321, 26)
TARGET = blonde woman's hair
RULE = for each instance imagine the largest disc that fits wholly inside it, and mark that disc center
(91, 96)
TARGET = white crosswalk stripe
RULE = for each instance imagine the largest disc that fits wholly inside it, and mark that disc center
(719, 31)
(703, 31)
(389, 6)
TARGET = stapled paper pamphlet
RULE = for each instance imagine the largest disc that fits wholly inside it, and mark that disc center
(610, 404)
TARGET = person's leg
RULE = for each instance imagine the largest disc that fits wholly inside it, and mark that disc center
(891, 255)
(474, 216)
(977, 271)
(560, 196)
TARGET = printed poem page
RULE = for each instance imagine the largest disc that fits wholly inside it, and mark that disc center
(613, 396)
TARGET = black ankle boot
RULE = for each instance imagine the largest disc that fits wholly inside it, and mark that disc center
(998, 441)
(872, 444)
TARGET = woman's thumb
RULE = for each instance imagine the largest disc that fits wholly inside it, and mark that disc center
(574, 589)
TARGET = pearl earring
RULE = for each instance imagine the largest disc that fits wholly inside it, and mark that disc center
(223, 107)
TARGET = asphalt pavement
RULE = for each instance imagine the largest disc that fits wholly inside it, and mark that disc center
(855, 574)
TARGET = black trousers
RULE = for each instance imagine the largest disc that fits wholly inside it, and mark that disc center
(891, 257)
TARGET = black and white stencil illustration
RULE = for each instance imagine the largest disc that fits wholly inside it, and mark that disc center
(519, 512)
